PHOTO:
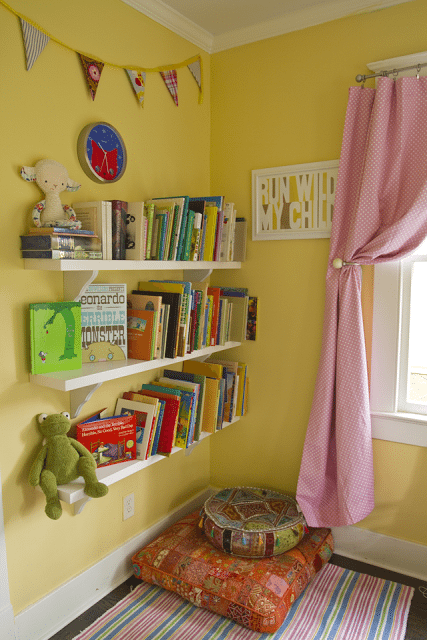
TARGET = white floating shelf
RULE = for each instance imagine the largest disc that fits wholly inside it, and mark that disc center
(73, 492)
(98, 372)
(124, 265)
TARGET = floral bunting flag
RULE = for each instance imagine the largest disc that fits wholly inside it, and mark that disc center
(137, 79)
(92, 70)
(171, 81)
(34, 42)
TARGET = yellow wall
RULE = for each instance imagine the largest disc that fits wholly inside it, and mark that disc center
(279, 102)
(42, 113)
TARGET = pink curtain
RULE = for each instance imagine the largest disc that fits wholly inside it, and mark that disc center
(380, 214)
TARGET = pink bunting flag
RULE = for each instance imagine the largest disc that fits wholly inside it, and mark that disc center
(34, 42)
(137, 79)
(171, 81)
(92, 70)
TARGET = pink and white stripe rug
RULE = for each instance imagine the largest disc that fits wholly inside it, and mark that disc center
(338, 604)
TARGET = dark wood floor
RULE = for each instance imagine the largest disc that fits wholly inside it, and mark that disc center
(417, 619)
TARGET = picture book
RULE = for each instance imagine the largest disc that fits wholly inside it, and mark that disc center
(171, 294)
(214, 392)
(190, 399)
(172, 399)
(201, 381)
(158, 405)
(231, 390)
(184, 287)
(215, 292)
(149, 214)
(119, 209)
(203, 288)
(55, 336)
(144, 421)
(252, 318)
(37, 231)
(96, 216)
(239, 317)
(240, 234)
(242, 388)
(59, 241)
(135, 231)
(149, 303)
(142, 333)
(212, 214)
(104, 323)
(180, 205)
(110, 440)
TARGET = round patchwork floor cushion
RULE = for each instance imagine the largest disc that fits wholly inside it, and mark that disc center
(246, 521)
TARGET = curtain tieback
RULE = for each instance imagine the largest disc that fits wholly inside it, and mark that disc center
(338, 263)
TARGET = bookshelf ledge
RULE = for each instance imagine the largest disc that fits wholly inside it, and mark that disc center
(73, 493)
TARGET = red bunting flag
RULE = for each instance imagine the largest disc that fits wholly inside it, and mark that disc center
(171, 81)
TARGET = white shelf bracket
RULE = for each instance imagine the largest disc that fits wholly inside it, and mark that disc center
(80, 396)
(198, 275)
(78, 506)
(75, 283)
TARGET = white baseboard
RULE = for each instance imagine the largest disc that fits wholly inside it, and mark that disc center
(7, 624)
(49, 615)
(394, 554)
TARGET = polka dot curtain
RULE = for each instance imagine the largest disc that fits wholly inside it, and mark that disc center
(380, 214)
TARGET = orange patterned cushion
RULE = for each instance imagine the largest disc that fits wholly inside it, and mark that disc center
(256, 593)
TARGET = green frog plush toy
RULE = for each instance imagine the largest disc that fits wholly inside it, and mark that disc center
(61, 460)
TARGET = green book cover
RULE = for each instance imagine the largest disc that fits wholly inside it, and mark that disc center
(55, 334)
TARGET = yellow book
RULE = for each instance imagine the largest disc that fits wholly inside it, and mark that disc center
(214, 380)
(212, 215)
(242, 370)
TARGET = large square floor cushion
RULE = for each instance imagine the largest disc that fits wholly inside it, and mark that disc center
(256, 593)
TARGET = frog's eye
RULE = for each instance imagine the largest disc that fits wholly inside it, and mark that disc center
(42, 417)
(66, 414)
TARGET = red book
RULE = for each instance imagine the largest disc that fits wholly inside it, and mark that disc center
(170, 416)
(109, 440)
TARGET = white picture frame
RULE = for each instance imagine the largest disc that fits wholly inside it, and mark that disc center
(294, 202)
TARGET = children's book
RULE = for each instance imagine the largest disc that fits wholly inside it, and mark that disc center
(119, 210)
(110, 440)
(214, 392)
(55, 336)
(252, 318)
(135, 231)
(145, 421)
(149, 303)
(170, 417)
(201, 381)
(96, 216)
(142, 333)
(104, 323)
(191, 395)
(172, 294)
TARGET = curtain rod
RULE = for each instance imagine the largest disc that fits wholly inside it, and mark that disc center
(362, 78)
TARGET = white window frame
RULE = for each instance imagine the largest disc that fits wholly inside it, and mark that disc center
(388, 423)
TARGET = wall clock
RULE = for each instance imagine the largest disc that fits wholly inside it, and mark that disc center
(102, 152)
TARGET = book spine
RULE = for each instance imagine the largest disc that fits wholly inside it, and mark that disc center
(188, 236)
(149, 212)
(118, 221)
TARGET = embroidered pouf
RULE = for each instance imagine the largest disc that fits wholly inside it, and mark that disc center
(251, 522)
(256, 593)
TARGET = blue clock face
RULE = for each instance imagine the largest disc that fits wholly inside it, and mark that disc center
(102, 152)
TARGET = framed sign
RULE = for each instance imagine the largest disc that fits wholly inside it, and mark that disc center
(294, 202)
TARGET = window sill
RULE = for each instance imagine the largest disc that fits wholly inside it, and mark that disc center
(406, 428)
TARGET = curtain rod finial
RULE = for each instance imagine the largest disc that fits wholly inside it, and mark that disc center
(337, 263)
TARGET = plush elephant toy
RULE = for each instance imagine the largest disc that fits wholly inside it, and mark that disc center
(61, 460)
(52, 178)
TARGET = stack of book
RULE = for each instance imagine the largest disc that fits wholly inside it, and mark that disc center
(175, 409)
(58, 243)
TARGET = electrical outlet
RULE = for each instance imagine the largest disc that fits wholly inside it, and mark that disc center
(128, 506)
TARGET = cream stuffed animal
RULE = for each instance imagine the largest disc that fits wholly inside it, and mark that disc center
(52, 178)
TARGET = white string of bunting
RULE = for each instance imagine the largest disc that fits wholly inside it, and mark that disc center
(36, 38)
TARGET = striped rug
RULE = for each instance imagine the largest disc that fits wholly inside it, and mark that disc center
(338, 604)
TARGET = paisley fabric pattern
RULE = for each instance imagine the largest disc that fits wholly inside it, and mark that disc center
(247, 521)
(256, 593)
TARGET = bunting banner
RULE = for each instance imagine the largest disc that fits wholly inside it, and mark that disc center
(137, 79)
(36, 39)
(34, 42)
(171, 81)
(92, 70)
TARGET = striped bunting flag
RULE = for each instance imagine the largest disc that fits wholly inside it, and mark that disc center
(34, 42)
(171, 81)
(338, 604)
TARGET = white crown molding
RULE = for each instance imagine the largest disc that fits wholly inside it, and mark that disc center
(176, 22)
(293, 21)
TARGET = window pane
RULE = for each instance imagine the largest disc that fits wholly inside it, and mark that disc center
(417, 356)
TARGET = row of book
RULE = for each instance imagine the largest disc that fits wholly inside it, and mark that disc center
(172, 411)
(160, 319)
(182, 229)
